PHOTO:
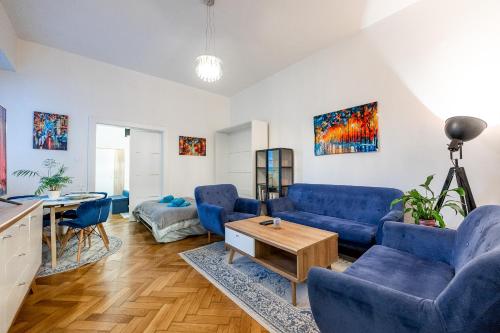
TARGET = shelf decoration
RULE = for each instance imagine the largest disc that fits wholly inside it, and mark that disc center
(274, 173)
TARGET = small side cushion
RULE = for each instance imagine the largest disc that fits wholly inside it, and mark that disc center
(352, 231)
(402, 271)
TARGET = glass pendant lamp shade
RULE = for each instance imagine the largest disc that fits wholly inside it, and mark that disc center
(209, 68)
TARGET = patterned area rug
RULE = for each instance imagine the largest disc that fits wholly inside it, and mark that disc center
(68, 262)
(262, 293)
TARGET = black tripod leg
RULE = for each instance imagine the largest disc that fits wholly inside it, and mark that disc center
(446, 187)
(463, 182)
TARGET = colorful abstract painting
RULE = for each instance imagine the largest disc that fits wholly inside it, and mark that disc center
(352, 130)
(192, 146)
(50, 131)
(3, 151)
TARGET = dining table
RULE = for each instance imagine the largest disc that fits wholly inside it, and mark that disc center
(60, 205)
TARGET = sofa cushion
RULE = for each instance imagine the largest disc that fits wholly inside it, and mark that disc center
(351, 231)
(235, 216)
(358, 203)
(402, 271)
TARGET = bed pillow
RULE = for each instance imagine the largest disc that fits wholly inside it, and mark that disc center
(167, 199)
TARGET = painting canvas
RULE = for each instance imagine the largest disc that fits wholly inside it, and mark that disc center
(192, 146)
(3, 151)
(351, 130)
(50, 131)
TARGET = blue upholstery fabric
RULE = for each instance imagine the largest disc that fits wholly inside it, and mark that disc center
(235, 216)
(89, 213)
(421, 279)
(120, 203)
(356, 213)
(217, 202)
(409, 274)
(352, 231)
(71, 214)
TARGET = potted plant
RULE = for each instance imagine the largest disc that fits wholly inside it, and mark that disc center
(423, 207)
(53, 182)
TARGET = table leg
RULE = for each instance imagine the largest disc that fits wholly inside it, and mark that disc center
(231, 256)
(294, 293)
(53, 244)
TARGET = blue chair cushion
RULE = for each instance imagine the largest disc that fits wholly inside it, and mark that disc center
(351, 231)
(402, 271)
(235, 216)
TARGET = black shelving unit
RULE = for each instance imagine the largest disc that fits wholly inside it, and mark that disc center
(274, 173)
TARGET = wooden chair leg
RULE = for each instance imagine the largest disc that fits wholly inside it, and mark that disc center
(81, 239)
(65, 240)
(46, 239)
(89, 236)
(209, 236)
(103, 234)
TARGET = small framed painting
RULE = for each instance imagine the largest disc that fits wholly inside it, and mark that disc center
(192, 146)
(50, 131)
(353, 130)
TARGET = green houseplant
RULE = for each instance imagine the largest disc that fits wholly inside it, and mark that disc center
(53, 182)
(422, 207)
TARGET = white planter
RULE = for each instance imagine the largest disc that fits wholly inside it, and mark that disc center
(53, 195)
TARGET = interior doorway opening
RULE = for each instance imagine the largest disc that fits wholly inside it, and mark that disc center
(112, 169)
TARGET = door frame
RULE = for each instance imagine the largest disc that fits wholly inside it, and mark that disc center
(91, 153)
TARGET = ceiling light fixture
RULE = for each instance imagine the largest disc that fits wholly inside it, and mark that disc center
(209, 67)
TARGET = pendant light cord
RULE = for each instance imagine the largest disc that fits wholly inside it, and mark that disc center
(210, 29)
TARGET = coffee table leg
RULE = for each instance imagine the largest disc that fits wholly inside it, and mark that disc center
(231, 256)
(294, 293)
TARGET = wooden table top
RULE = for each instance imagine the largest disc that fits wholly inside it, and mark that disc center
(291, 237)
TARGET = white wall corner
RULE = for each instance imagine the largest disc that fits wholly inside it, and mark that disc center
(8, 42)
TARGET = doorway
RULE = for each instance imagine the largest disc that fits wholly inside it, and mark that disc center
(128, 163)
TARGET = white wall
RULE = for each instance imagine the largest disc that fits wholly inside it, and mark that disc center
(430, 61)
(7, 42)
(51, 80)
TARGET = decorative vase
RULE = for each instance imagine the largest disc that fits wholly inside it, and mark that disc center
(428, 223)
(54, 195)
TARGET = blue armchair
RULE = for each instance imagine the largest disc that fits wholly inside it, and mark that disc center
(218, 204)
(420, 279)
(89, 218)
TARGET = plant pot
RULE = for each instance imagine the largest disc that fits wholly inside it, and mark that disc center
(428, 223)
(54, 195)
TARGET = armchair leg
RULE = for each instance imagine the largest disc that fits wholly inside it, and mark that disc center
(81, 239)
(209, 236)
(89, 236)
(103, 234)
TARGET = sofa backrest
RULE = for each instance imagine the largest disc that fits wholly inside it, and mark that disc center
(358, 203)
(479, 233)
(223, 195)
(471, 301)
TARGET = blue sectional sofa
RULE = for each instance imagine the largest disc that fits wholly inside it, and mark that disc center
(421, 279)
(356, 213)
(218, 204)
(119, 203)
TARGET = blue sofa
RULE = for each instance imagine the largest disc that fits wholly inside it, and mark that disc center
(356, 213)
(120, 203)
(218, 204)
(421, 279)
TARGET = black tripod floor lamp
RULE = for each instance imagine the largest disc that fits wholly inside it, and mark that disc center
(459, 130)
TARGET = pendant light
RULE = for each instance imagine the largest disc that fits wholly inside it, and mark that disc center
(208, 66)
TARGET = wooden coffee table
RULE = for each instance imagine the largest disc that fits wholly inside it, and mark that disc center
(289, 251)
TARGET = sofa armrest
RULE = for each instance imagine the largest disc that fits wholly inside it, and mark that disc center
(343, 303)
(279, 205)
(424, 242)
(395, 215)
(249, 206)
(212, 217)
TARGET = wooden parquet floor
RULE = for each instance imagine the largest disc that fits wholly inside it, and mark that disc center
(145, 287)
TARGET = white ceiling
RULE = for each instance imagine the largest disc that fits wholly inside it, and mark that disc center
(254, 38)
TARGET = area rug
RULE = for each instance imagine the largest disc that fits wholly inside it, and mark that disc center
(262, 293)
(67, 261)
